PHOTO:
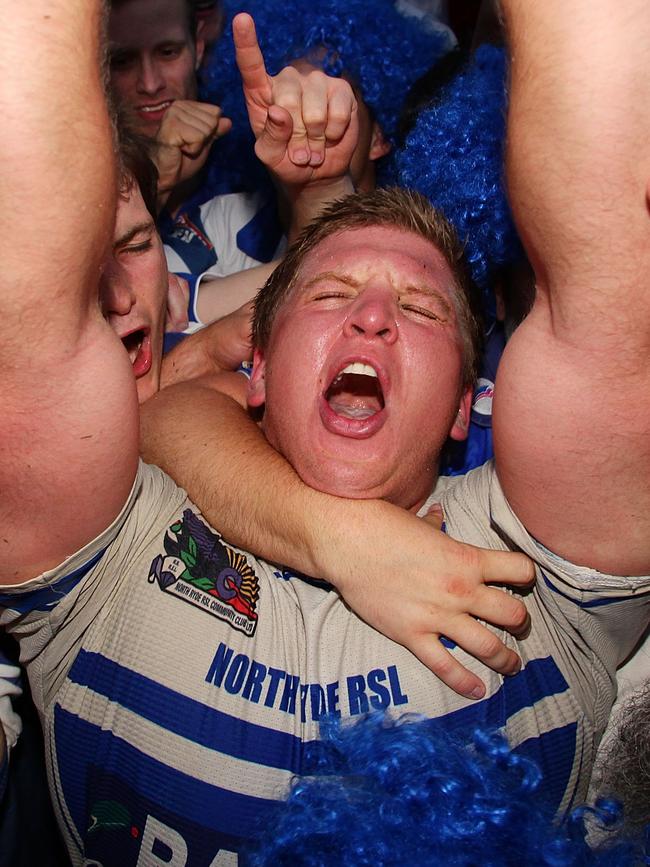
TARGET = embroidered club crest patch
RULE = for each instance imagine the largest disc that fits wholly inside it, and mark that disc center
(200, 569)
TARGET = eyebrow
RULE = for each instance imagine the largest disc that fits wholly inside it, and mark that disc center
(433, 292)
(332, 275)
(144, 227)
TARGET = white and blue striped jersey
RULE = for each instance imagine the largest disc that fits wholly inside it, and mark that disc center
(181, 681)
(227, 234)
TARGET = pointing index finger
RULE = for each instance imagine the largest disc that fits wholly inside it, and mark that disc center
(250, 60)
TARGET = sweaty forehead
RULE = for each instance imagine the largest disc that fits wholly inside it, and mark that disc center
(383, 250)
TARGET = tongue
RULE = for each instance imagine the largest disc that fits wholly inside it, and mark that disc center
(355, 396)
(133, 345)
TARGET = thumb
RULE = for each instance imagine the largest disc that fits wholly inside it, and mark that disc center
(271, 145)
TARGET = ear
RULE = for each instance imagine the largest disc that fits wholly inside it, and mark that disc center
(460, 427)
(256, 395)
(379, 144)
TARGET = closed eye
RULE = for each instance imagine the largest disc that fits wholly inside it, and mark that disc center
(330, 293)
(423, 311)
(138, 248)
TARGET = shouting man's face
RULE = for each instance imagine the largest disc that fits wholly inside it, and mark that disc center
(362, 375)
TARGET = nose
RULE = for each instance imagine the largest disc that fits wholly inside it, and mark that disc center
(116, 293)
(373, 314)
(150, 80)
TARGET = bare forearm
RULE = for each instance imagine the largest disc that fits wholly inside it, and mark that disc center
(243, 486)
(219, 296)
(55, 130)
(578, 160)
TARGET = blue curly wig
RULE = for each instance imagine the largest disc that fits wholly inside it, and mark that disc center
(402, 793)
(454, 156)
(382, 50)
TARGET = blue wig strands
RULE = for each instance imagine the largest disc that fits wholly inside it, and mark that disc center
(390, 794)
(454, 156)
(383, 51)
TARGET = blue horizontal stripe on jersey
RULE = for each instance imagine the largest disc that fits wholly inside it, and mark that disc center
(45, 598)
(595, 603)
(185, 716)
(96, 765)
(539, 679)
(220, 731)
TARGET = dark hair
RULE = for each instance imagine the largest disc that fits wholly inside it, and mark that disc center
(392, 207)
(624, 771)
(135, 164)
(190, 12)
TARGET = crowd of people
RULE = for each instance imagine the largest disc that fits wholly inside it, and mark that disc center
(325, 461)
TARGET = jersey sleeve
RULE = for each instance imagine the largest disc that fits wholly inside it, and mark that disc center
(51, 613)
(616, 606)
(582, 621)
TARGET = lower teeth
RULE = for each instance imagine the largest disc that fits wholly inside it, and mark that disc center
(356, 412)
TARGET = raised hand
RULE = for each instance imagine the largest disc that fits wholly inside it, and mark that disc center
(183, 142)
(305, 122)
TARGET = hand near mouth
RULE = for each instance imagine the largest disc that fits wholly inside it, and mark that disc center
(183, 142)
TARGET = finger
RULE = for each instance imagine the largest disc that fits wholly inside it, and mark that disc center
(206, 111)
(501, 609)
(187, 132)
(479, 642)
(271, 146)
(223, 128)
(440, 661)
(341, 110)
(194, 148)
(203, 120)
(314, 114)
(288, 94)
(248, 54)
(506, 567)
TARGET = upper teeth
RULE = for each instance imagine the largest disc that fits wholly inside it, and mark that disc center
(359, 367)
(154, 107)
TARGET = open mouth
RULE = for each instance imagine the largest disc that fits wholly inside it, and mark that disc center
(356, 392)
(138, 347)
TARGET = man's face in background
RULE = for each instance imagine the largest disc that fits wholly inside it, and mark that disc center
(154, 58)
